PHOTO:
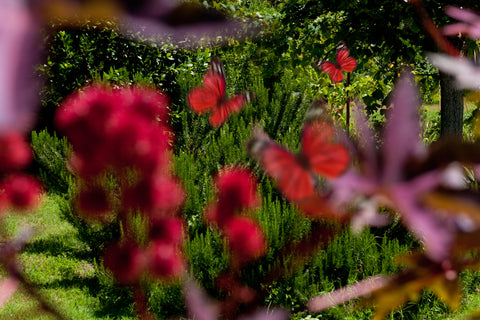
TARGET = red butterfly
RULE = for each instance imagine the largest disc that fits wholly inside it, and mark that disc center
(211, 96)
(294, 174)
(344, 63)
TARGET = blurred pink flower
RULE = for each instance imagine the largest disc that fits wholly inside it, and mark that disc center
(165, 260)
(384, 175)
(469, 25)
(94, 203)
(20, 51)
(126, 261)
(236, 190)
(15, 152)
(22, 191)
(245, 238)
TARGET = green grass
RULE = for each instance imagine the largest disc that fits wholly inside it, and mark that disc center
(58, 263)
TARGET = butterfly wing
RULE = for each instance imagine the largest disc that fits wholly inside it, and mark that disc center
(325, 157)
(223, 110)
(345, 61)
(334, 72)
(208, 96)
(293, 180)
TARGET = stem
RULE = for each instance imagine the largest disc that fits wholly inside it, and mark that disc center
(140, 302)
(433, 31)
(348, 104)
(8, 252)
(14, 271)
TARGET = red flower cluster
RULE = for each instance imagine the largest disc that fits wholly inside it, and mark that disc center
(123, 134)
(236, 191)
(17, 190)
(116, 128)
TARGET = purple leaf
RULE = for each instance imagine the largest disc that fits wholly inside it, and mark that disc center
(357, 290)
(401, 137)
(436, 232)
(8, 287)
(199, 305)
(267, 314)
(367, 150)
(465, 72)
(20, 51)
(391, 183)
(183, 23)
(469, 25)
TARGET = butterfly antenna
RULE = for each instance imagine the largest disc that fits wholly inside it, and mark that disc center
(216, 66)
(318, 63)
(249, 96)
(341, 45)
(257, 143)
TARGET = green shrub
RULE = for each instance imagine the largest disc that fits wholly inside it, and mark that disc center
(50, 156)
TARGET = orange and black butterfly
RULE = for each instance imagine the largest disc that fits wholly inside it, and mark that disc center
(344, 63)
(211, 96)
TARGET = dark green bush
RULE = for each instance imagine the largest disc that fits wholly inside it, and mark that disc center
(50, 156)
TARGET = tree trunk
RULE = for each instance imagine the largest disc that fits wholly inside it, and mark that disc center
(451, 107)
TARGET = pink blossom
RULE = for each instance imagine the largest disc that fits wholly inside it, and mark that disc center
(469, 25)
(94, 203)
(126, 261)
(157, 196)
(245, 238)
(15, 153)
(236, 190)
(166, 260)
(22, 191)
(237, 187)
(167, 229)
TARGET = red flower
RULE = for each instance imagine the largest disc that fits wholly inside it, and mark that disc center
(237, 187)
(141, 144)
(90, 118)
(166, 260)
(4, 202)
(22, 191)
(159, 196)
(235, 288)
(167, 229)
(245, 238)
(15, 153)
(88, 165)
(126, 261)
(93, 202)
(236, 190)
(220, 212)
(117, 128)
(148, 103)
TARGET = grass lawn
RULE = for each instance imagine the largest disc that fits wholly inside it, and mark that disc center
(56, 261)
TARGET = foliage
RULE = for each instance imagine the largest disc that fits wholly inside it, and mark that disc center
(50, 156)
